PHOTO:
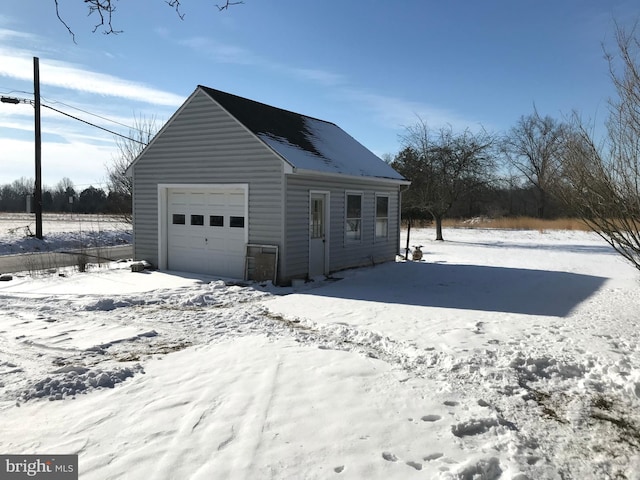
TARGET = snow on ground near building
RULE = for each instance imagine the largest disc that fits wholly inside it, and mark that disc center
(61, 232)
(503, 355)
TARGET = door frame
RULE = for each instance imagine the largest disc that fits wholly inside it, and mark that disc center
(327, 228)
(163, 207)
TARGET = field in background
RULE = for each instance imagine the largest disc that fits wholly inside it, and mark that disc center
(61, 232)
(519, 223)
(64, 222)
(25, 223)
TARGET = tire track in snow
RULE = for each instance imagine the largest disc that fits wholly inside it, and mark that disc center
(174, 453)
(262, 408)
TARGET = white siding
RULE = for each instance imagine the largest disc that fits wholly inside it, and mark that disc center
(203, 144)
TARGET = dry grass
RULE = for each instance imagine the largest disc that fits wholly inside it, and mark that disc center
(520, 223)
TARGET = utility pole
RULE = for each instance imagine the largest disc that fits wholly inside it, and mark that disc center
(38, 141)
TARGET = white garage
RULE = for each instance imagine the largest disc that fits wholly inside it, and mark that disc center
(205, 228)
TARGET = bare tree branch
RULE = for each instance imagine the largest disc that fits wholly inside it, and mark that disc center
(105, 11)
(176, 4)
(602, 182)
(227, 4)
(120, 184)
(534, 147)
(442, 165)
(73, 37)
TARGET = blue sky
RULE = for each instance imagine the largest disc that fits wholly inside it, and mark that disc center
(370, 66)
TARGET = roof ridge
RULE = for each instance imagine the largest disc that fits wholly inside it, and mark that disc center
(204, 87)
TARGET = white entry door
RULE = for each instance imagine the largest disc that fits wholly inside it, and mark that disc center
(206, 231)
(318, 244)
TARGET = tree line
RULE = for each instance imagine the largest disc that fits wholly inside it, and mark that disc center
(64, 197)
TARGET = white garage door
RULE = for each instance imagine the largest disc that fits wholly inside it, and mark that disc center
(206, 231)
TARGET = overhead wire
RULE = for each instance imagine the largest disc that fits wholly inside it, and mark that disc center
(55, 102)
(25, 100)
(92, 124)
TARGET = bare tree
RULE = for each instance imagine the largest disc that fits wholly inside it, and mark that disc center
(119, 183)
(104, 10)
(534, 147)
(602, 180)
(64, 194)
(441, 166)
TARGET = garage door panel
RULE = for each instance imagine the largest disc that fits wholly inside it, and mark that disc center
(236, 200)
(184, 261)
(187, 242)
(179, 198)
(197, 199)
(217, 200)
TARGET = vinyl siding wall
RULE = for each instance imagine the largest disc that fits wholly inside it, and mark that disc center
(203, 144)
(341, 253)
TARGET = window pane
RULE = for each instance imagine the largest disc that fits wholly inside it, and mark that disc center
(216, 221)
(382, 206)
(236, 222)
(178, 219)
(382, 217)
(317, 218)
(382, 227)
(354, 206)
(353, 229)
(197, 220)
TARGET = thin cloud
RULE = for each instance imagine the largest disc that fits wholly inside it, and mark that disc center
(398, 112)
(6, 34)
(68, 76)
(225, 53)
(323, 77)
(221, 52)
(81, 160)
(64, 131)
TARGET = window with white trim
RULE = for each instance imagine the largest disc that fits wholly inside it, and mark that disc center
(382, 216)
(353, 217)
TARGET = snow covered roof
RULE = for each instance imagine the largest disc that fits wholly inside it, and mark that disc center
(305, 142)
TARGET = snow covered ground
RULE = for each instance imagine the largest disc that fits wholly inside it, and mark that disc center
(60, 232)
(503, 355)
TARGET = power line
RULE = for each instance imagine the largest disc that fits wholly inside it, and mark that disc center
(25, 100)
(93, 114)
(56, 102)
(15, 91)
(93, 124)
